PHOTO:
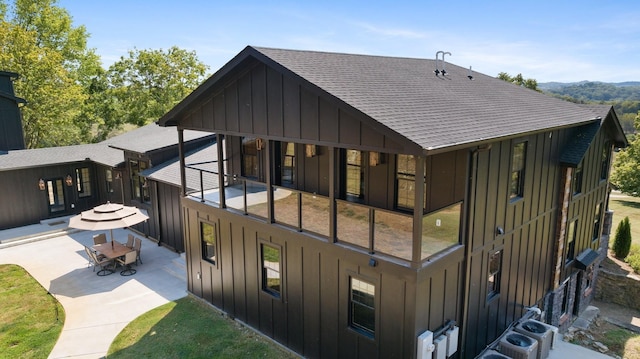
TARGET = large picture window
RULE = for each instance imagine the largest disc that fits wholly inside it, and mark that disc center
(518, 159)
(83, 182)
(209, 238)
(362, 309)
(271, 270)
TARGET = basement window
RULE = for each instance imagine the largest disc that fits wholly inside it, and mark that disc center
(209, 239)
(271, 270)
(493, 279)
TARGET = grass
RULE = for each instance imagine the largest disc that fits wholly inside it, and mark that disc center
(31, 320)
(188, 328)
(622, 342)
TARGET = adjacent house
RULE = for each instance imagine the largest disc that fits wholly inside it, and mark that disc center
(355, 202)
(11, 134)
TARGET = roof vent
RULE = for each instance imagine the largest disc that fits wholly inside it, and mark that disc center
(469, 74)
(437, 70)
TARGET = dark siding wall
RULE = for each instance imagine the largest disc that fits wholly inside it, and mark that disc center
(166, 211)
(262, 102)
(312, 317)
(21, 186)
(527, 243)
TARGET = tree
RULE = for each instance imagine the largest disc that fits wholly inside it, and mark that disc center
(38, 41)
(142, 87)
(520, 81)
(622, 240)
(626, 168)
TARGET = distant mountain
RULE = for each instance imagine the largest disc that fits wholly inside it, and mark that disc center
(594, 91)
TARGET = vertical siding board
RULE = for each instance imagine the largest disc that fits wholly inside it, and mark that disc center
(492, 217)
(259, 100)
(275, 103)
(207, 115)
(392, 300)
(329, 306)
(308, 115)
(231, 107)
(245, 109)
(311, 295)
(219, 112)
(295, 298)
(291, 110)
(252, 271)
(226, 263)
(349, 131)
(482, 185)
(328, 118)
(370, 137)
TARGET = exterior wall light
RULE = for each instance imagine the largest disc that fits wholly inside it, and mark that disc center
(41, 184)
(68, 180)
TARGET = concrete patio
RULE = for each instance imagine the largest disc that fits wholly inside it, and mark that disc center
(97, 308)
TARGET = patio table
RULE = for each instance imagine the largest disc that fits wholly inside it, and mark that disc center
(112, 250)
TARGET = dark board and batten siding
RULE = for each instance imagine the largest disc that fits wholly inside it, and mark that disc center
(312, 317)
(529, 233)
(265, 103)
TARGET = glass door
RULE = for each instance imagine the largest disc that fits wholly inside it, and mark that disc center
(55, 195)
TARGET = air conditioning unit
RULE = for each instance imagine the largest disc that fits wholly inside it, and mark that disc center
(518, 346)
(492, 354)
(541, 332)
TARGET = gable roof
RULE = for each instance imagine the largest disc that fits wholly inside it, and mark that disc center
(150, 138)
(405, 95)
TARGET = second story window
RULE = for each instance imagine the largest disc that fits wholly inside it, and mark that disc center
(577, 179)
(83, 182)
(604, 161)
(288, 166)
(354, 175)
(518, 160)
(406, 181)
(596, 222)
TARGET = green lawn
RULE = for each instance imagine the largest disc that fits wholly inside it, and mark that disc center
(626, 207)
(31, 320)
(188, 328)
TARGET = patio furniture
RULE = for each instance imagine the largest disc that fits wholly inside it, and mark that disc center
(112, 250)
(128, 260)
(137, 246)
(102, 263)
(129, 241)
(99, 238)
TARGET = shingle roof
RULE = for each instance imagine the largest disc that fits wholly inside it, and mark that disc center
(151, 137)
(433, 111)
(169, 171)
(581, 138)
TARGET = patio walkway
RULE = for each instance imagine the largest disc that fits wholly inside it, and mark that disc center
(97, 308)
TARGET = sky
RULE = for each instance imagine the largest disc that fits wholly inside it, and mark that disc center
(561, 40)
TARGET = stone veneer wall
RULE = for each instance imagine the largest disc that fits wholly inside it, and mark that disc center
(554, 314)
(618, 289)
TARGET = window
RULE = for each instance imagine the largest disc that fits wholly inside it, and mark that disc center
(596, 222)
(605, 157)
(565, 299)
(517, 170)
(354, 175)
(271, 270)
(571, 242)
(108, 175)
(250, 157)
(288, 168)
(139, 185)
(577, 179)
(362, 310)
(495, 268)
(406, 181)
(209, 238)
(83, 182)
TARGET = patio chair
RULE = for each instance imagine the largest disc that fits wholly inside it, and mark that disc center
(103, 262)
(130, 241)
(128, 260)
(100, 238)
(137, 246)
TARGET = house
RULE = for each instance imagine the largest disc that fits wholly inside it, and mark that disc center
(61, 181)
(11, 135)
(364, 200)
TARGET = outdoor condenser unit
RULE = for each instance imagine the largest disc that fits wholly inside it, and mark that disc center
(541, 332)
(492, 354)
(518, 346)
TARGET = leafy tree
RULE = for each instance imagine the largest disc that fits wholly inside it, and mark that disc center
(519, 80)
(626, 168)
(38, 41)
(622, 240)
(142, 87)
